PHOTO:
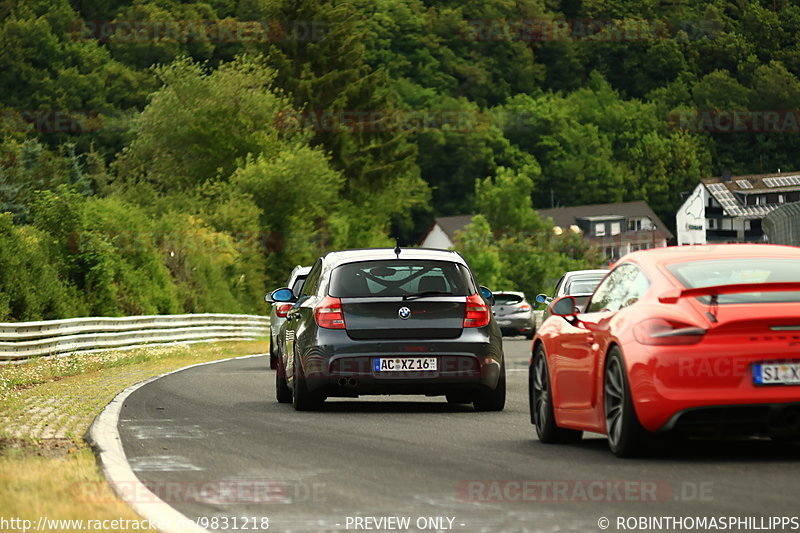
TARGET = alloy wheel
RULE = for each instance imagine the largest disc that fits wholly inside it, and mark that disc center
(540, 392)
(614, 393)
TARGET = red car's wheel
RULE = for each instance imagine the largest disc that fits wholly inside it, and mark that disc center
(626, 436)
(541, 404)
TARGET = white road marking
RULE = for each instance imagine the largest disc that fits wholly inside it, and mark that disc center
(162, 463)
(161, 432)
(104, 437)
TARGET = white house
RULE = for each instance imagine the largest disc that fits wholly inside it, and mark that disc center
(731, 208)
(616, 228)
(443, 231)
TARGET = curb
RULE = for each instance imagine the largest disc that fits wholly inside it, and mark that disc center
(103, 437)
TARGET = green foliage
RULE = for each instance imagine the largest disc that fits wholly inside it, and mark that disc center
(201, 124)
(105, 249)
(476, 243)
(30, 285)
(509, 247)
(189, 174)
(505, 201)
(294, 191)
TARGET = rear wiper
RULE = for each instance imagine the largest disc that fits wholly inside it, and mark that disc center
(424, 294)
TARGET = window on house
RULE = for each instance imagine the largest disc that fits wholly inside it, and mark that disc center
(712, 224)
(761, 200)
(615, 228)
(634, 224)
(599, 229)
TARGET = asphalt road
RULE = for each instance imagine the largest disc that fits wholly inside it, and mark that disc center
(213, 442)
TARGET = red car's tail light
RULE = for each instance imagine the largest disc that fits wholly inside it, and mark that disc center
(283, 309)
(476, 314)
(666, 332)
(329, 314)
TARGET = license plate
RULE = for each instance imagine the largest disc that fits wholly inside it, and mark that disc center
(776, 374)
(404, 364)
(504, 322)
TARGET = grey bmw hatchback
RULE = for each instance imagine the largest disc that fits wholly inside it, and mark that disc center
(383, 321)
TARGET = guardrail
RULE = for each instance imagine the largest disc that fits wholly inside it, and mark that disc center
(23, 340)
(538, 315)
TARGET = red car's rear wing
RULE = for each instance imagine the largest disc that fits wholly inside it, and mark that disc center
(672, 296)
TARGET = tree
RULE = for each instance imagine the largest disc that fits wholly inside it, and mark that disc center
(505, 200)
(476, 244)
(329, 76)
(200, 124)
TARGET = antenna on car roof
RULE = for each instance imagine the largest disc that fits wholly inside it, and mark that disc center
(397, 249)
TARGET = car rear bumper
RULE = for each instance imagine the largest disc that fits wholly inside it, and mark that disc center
(516, 325)
(469, 363)
(710, 388)
(753, 419)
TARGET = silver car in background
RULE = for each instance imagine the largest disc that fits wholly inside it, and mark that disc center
(513, 313)
(279, 310)
(579, 284)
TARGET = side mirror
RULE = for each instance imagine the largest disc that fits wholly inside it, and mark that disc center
(283, 295)
(564, 306)
(487, 294)
(541, 298)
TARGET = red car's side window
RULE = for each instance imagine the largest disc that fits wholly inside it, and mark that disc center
(624, 286)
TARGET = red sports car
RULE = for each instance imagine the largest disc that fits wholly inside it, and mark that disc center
(695, 339)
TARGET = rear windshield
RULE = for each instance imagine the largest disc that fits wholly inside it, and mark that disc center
(399, 278)
(507, 299)
(735, 271)
(583, 286)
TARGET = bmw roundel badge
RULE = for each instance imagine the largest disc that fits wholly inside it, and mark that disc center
(404, 313)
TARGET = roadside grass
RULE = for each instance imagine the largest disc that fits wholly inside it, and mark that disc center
(46, 407)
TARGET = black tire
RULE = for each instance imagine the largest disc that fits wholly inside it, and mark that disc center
(457, 398)
(282, 391)
(273, 354)
(626, 436)
(302, 398)
(493, 399)
(540, 401)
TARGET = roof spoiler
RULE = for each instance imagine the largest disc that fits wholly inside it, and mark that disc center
(672, 296)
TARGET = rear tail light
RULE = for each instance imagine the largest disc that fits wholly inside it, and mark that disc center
(283, 309)
(329, 314)
(477, 313)
(666, 332)
(524, 307)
